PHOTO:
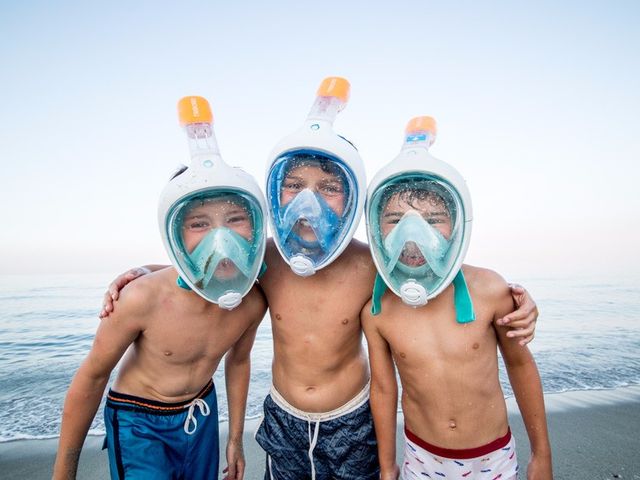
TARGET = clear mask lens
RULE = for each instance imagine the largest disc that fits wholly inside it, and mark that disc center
(217, 240)
(415, 222)
(414, 245)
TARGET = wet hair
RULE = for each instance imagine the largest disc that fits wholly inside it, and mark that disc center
(315, 160)
(414, 190)
(201, 199)
(230, 197)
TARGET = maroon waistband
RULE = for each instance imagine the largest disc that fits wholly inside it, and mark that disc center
(463, 454)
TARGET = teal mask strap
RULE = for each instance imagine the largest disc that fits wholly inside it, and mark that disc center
(379, 287)
(462, 299)
(263, 269)
(182, 284)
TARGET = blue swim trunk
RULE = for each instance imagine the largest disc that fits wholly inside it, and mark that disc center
(319, 446)
(147, 439)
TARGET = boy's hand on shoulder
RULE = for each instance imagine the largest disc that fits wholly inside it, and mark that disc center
(113, 290)
(137, 297)
(523, 320)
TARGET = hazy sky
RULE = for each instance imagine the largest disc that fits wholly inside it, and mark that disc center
(537, 105)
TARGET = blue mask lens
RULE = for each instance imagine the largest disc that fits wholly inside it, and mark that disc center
(309, 181)
(223, 263)
(312, 209)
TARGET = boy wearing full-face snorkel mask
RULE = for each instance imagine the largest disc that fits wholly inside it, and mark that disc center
(173, 327)
(439, 327)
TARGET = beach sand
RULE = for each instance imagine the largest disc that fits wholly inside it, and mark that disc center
(594, 435)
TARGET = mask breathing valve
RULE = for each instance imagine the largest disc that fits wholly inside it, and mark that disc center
(230, 300)
(302, 266)
(413, 294)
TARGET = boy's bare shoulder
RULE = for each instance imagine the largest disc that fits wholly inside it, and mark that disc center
(143, 295)
(358, 248)
(271, 248)
(273, 259)
(254, 304)
(368, 320)
(357, 255)
(489, 289)
(389, 305)
(484, 281)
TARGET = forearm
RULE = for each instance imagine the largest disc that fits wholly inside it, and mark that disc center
(237, 375)
(527, 388)
(384, 406)
(80, 406)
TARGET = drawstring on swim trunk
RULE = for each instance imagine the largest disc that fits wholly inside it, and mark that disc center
(316, 418)
(313, 440)
(191, 418)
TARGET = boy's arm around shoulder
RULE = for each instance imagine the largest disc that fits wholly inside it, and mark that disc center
(384, 391)
(237, 366)
(113, 290)
(524, 378)
(114, 335)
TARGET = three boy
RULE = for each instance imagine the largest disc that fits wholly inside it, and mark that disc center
(320, 369)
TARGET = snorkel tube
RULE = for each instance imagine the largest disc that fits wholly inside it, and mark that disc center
(316, 143)
(440, 259)
(206, 181)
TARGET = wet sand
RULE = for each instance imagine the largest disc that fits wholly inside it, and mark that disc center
(594, 435)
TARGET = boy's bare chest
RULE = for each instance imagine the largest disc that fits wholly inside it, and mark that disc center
(321, 299)
(416, 340)
(189, 338)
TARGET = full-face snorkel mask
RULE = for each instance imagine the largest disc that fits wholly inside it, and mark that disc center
(211, 217)
(419, 218)
(315, 186)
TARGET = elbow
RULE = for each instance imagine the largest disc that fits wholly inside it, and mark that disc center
(233, 361)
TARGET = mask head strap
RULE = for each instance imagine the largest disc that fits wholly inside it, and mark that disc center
(462, 298)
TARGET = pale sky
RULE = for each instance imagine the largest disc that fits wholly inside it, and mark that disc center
(537, 105)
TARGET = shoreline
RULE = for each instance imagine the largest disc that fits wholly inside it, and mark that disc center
(594, 435)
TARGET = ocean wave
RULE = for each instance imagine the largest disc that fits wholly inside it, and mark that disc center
(11, 436)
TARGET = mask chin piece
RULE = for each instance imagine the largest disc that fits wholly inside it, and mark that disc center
(302, 266)
(230, 300)
(413, 294)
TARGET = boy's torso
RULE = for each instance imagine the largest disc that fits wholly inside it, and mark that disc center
(319, 362)
(183, 342)
(449, 371)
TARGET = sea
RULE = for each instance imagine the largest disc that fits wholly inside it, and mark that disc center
(587, 338)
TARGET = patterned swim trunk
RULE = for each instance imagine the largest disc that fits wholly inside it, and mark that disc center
(340, 444)
(496, 460)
